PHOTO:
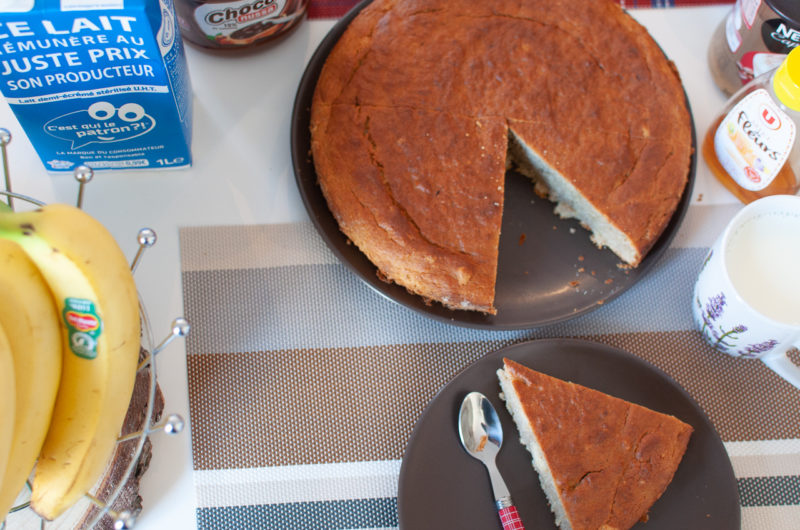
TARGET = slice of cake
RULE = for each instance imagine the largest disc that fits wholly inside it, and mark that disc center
(602, 461)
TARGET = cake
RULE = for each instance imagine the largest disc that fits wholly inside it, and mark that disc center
(422, 105)
(602, 461)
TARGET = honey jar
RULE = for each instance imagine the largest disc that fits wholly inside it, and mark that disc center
(752, 146)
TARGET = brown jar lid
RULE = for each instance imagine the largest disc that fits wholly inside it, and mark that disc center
(788, 9)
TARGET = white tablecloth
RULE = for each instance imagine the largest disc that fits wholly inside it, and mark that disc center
(242, 174)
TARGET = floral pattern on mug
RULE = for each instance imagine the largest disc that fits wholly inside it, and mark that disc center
(725, 340)
(756, 350)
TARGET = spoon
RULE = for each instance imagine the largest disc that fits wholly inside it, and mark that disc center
(482, 436)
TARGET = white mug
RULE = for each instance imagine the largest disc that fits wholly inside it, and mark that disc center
(747, 295)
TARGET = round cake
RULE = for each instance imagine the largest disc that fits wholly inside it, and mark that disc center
(421, 107)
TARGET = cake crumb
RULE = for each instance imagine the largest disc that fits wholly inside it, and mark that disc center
(593, 273)
(522, 239)
(555, 227)
(572, 230)
(609, 281)
(600, 302)
(574, 283)
(580, 258)
(699, 197)
(581, 270)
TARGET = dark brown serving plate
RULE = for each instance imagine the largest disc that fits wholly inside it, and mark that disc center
(548, 269)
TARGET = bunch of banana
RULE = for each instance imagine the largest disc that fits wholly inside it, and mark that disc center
(96, 309)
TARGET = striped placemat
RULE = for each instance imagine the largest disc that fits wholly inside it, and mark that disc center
(337, 8)
(305, 384)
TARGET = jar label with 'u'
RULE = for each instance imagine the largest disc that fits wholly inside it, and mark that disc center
(754, 140)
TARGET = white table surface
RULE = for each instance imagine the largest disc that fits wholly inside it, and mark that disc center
(242, 174)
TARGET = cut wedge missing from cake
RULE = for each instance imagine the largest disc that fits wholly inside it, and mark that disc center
(602, 461)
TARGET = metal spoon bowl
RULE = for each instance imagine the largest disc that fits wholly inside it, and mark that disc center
(481, 436)
(479, 427)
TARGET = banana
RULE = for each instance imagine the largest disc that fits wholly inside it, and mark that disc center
(98, 307)
(7, 402)
(28, 314)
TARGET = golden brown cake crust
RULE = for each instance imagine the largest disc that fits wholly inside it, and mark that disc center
(610, 459)
(410, 118)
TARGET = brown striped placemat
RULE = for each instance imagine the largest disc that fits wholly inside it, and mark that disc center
(289, 347)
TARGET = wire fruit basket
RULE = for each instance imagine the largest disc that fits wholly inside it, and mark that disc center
(113, 502)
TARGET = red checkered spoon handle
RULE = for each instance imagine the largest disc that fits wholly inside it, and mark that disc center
(510, 517)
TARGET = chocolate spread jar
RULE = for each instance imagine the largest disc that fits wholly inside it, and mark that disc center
(236, 24)
(753, 39)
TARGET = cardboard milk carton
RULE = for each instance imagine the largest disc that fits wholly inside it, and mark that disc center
(97, 82)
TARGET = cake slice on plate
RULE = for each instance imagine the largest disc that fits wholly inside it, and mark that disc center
(602, 461)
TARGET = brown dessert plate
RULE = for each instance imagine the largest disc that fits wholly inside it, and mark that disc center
(441, 486)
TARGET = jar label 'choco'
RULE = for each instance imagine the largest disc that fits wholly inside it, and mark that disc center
(237, 20)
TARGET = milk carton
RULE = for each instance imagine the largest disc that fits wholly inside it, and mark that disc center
(97, 82)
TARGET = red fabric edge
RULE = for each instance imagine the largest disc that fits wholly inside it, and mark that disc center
(337, 8)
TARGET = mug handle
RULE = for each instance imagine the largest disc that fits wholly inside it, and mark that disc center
(782, 365)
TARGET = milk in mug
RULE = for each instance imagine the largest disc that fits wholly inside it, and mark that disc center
(97, 82)
(762, 259)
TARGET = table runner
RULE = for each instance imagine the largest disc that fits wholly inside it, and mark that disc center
(305, 384)
(337, 8)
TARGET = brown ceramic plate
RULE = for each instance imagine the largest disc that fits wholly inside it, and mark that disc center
(441, 486)
(548, 270)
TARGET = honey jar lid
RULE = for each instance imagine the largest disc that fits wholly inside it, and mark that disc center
(786, 82)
